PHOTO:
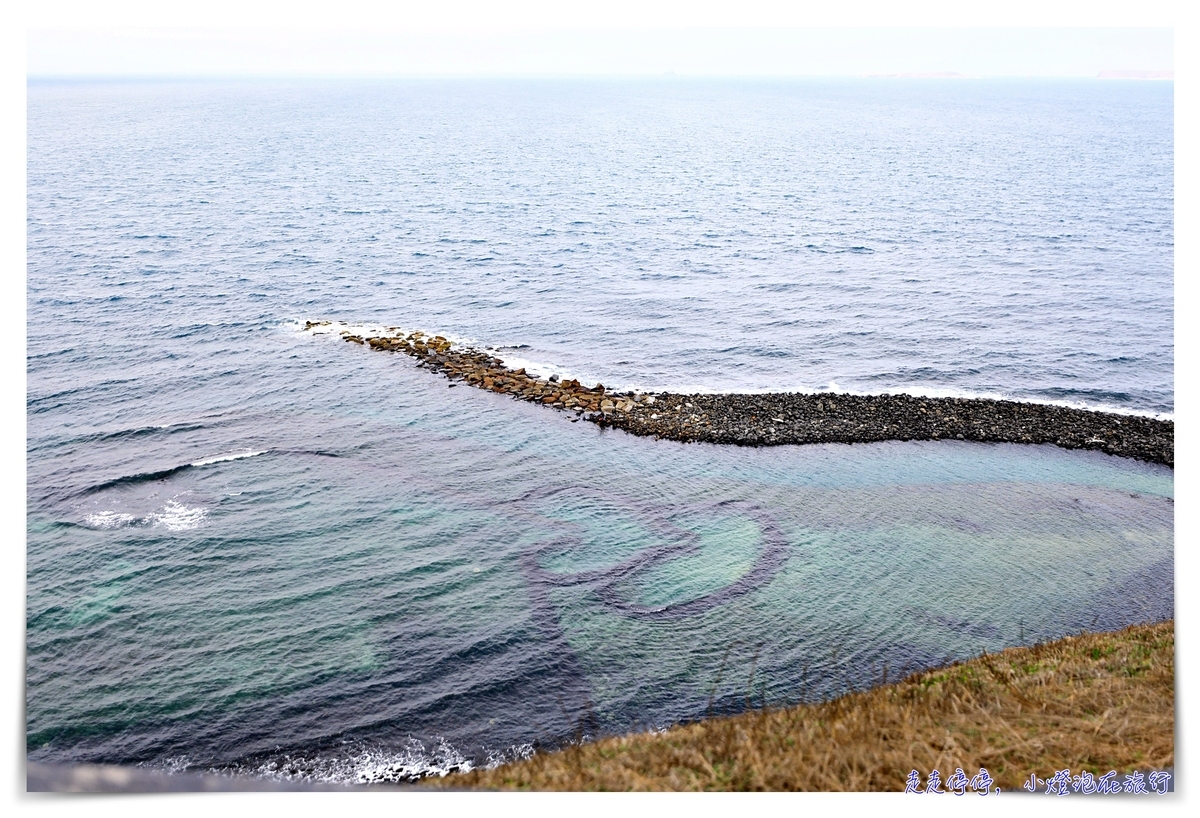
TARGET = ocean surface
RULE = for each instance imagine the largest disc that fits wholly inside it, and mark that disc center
(265, 552)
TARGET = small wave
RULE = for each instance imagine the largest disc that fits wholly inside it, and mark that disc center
(833, 388)
(170, 765)
(176, 516)
(140, 431)
(412, 763)
(306, 452)
(109, 519)
(140, 477)
(371, 765)
(221, 458)
(1092, 406)
(163, 474)
(535, 368)
(338, 328)
(539, 369)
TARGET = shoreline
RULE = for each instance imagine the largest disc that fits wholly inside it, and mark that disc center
(1087, 703)
(788, 418)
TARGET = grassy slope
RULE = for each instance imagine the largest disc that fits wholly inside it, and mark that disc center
(1095, 702)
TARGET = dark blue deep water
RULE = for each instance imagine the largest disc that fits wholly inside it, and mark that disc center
(263, 551)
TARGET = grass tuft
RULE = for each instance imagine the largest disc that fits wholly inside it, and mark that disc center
(1094, 702)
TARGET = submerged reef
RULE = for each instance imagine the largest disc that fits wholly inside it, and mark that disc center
(775, 419)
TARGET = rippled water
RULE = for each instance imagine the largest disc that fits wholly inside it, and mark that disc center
(260, 550)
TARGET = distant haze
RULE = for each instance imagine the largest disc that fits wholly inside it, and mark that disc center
(1128, 53)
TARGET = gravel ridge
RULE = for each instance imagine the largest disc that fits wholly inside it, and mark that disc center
(775, 419)
(788, 418)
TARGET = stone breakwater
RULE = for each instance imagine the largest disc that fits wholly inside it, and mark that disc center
(791, 418)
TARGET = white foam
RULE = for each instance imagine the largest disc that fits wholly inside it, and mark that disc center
(170, 765)
(378, 766)
(519, 752)
(176, 516)
(535, 368)
(411, 763)
(941, 392)
(221, 458)
(917, 392)
(109, 519)
(944, 392)
(340, 328)
(337, 328)
(539, 369)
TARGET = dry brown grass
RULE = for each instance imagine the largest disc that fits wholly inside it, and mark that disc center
(1095, 702)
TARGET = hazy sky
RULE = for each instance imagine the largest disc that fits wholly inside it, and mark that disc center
(746, 51)
(586, 37)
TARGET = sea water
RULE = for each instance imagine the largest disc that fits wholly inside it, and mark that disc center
(267, 552)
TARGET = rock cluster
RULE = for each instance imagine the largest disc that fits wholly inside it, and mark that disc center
(779, 418)
(487, 372)
(792, 418)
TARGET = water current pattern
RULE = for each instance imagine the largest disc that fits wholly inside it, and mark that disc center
(263, 551)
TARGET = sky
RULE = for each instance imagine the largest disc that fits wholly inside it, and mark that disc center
(67, 38)
(693, 51)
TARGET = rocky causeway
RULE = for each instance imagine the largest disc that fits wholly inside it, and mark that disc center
(775, 419)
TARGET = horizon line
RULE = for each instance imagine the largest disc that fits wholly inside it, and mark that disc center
(1106, 75)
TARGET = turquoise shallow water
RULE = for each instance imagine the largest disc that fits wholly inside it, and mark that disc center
(257, 550)
(468, 569)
